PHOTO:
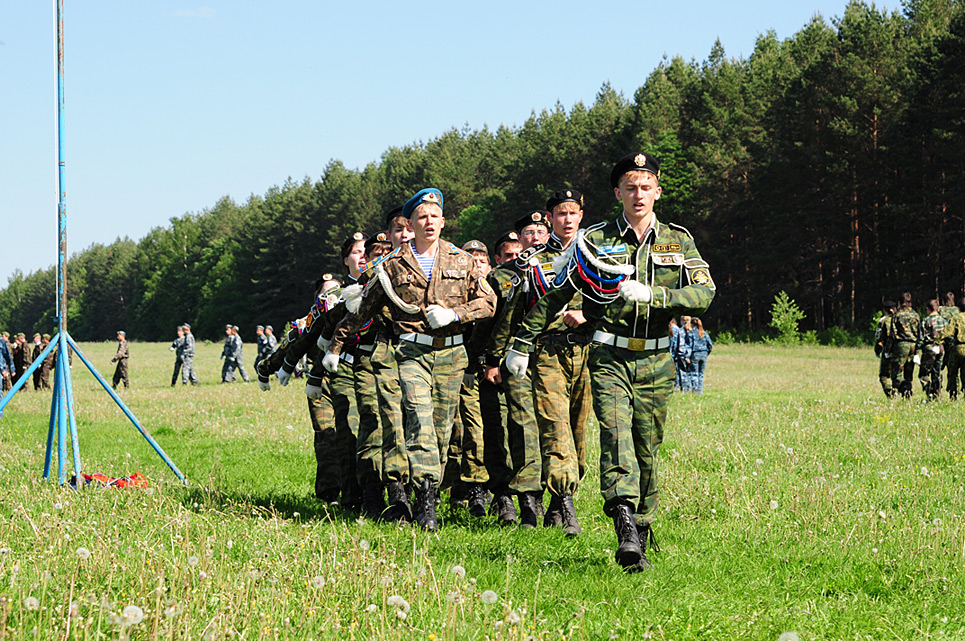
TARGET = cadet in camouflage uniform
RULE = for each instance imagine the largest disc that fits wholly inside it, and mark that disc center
(187, 357)
(22, 358)
(884, 347)
(634, 273)
(931, 350)
(435, 290)
(905, 331)
(120, 372)
(233, 356)
(948, 311)
(262, 347)
(37, 348)
(48, 364)
(519, 469)
(7, 368)
(954, 337)
(177, 346)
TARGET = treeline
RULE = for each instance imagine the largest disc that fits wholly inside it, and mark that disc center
(828, 165)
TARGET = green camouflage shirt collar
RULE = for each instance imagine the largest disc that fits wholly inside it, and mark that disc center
(626, 231)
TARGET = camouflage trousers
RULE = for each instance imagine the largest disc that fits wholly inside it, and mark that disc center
(513, 458)
(884, 375)
(902, 366)
(472, 468)
(631, 391)
(346, 432)
(7, 383)
(395, 460)
(368, 444)
(930, 372)
(120, 374)
(956, 369)
(430, 380)
(327, 463)
(228, 370)
(187, 371)
(561, 395)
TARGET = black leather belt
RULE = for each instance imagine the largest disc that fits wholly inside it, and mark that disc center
(563, 338)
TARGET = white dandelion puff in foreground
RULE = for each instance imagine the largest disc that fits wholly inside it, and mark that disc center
(193, 561)
(459, 571)
(132, 615)
(788, 636)
(398, 602)
(31, 603)
(83, 554)
(488, 597)
(774, 505)
(318, 582)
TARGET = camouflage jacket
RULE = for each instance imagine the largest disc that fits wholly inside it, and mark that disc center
(883, 336)
(954, 331)
(931, 329)
(122, 353)
(905, 326)
(666, 259)
(264, 347)
(455, 284)
(187, 347)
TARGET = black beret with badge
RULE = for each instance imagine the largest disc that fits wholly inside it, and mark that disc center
(636, 161)
(507, 237)
(380, 237)
(532, 218)
(350, 243)
(561, 196)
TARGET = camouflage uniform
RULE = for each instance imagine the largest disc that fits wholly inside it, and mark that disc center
(883, 350)
(233, 359)
(177, 346)
(120, 372)
(6, 364)
(930, 347)
(37, 349)
(22, 358)
(631, 371)
(430, 361)
(948, 312)
(954, 337)
(187, 360)
(905, 330)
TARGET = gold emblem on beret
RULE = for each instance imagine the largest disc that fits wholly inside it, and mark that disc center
(431, 197)
(513, 235)
(358, 236)
(326, 277)
(536, 217)
(569, 194)
(640, 160)
(381, 237)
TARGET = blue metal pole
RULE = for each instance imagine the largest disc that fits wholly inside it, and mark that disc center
(62, 419)
(53, 419)
(120, 403)
(26, 375)
(61, 181)
(72, 421)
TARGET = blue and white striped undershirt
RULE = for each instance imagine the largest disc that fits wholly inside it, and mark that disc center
(425, 262)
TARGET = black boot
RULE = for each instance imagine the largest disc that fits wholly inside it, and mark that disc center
(647, 539)
(553, 516)
(425, 506)
(400, 509)
(571, 527)
(502, 506)
(528, 519)
(373, 501)
(628, 552)
(477, 500)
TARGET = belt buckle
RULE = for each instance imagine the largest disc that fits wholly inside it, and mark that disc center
(637, 344)
(438, 342)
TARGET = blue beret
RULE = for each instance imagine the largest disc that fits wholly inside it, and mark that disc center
(429, 195)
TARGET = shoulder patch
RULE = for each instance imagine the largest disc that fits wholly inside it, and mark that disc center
(666, 247)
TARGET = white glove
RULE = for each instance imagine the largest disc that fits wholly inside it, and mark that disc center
(264, 387)
(916, 359)
(313, 392)
(517, 363)
(330, 362)
(438, 316)
(322, 343)
(283, 376)
(935, 349)
(635, 291)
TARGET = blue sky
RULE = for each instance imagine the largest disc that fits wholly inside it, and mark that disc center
(171, 106)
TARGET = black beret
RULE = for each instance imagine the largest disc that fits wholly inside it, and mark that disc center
(532, 218)
(636, 161)
(380, 237)
(564, 196)
(392, 215)
(888, 304)
(350, 242)
(507, 237)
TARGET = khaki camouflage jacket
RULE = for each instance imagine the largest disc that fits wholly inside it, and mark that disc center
(905, 326)
(666, 259)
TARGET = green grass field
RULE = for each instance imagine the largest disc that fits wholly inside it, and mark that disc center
(794, 498)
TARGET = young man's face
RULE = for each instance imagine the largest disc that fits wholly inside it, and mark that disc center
(227, 331)
(259, 331)
(355, 260)
(638, 191)
(269, 331)
(566, 218)
(533, 235)
(508, 252)
(120, 337)
(400, 232)
(375, 251)
(481, 259)
(427, 223)
(180, 332)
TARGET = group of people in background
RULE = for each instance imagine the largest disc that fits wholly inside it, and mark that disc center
(903, 339)
(16, 356)
(690, 345)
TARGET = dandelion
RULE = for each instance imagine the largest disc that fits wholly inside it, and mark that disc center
(759, 461)
(774, 505)
(924, 471)
(31, 603)
(202, 574)
(318, 582)
(5, 551)
(398, 602)
(788, 636)
(402, 614)
(255, 574)
(513, 618)
(74, 611)
(453, 597)
(459, 571)
(488, 597)
(364, 545)
(132, 615)
(83, 553)
(371, 607)
(936, 522)
(882, 514)
(193, 561)
(295, 515)
(58, 505)
(171, 611)
(230, 544)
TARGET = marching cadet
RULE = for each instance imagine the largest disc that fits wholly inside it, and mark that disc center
(884, 347)
(120, 372)
(37, 348)
(262, 348)
(435, 290)
(187, 357)
(22, 358)
(930, 347)
(520, 472)
(7, 370)
(905, 330)
(48, 364)
(272, 341)
(177, 346)
(954, 337)
(232, 355)
(634, 274)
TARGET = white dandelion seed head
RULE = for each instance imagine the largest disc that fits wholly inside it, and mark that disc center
(318, 582)
(882, 514)
(371, 607)
(453, 597)
(31, 603)
(924, 471)
(295, 515)
(202, 574)
(193, 561)
(788, 636)
(74, 611)
(774, 505)
(488, 597)
(874, 550)
(58, 505)
(399, 602)
(132, 615)
(230, 544)
(171, 611)
(936, 522)
(364, 545)
(459, 571)
(83, 553)
(513, 618)
(5, 551)
(402, 614)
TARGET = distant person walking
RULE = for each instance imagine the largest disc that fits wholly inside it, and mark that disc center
(905, 331)
(232, 355)
(187, 357)
(700, 348)
(176, 347)
(120, 372)
(682, 355)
